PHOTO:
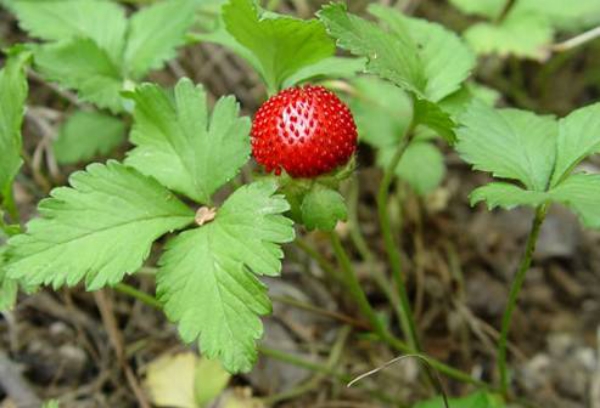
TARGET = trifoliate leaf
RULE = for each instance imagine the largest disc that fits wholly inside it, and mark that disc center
(13, 93)
(447, 62)
(8, 287)
(509, 143)
(87, 134)
(179, 146)
(519, 34)
(322, 208)
(100, 229)
(507, 196)
(207, 281)
(479, 399)
(391, 55)
(104, 22)
(422, 166)
(80, 64)
(382, 111)
(581, 193)
(281, 44)
(485, 8)
(332, 67)
(578, 138)
(154, 34)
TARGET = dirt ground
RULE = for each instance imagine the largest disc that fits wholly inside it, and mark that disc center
(93, 349)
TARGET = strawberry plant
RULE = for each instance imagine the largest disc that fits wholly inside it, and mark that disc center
(212, 197)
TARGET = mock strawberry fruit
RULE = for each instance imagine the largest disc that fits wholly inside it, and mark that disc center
(305, 131)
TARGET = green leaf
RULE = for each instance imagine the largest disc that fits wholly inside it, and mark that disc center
(447, 62)
(578, 138)
(179, 146)
(485, 8)
(154, 34)
(207, 281)
(509, 143)
(13, 93)
(581, 193)
(391, 55)
(507, 196)
(322, 208)
(579, 15)
(102, 21)
(382, 111)
(519, 34)
(281, 44)
(8, 287)
(220, 35)
(432, 116)
(80, 64)
(479, 399)
(422, 166)
(87, 134)
(100, 229)
(332, 67)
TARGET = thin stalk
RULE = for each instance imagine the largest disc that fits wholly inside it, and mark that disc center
(9, 204)
(353, 285)
(515, 289)
(577, 40)
(407, 321)
(365, 252)
(321, 312)
(139, 295)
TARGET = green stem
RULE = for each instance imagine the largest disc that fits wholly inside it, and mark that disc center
(407, 321)
(516, 286)
(139, 295)
(9, 204)
(365, 252)
(353, 285)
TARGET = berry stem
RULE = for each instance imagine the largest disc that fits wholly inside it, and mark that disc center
(407, 321)
(515, 289)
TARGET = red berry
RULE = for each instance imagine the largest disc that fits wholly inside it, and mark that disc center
(305, 131)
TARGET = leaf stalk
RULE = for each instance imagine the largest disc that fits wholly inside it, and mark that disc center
(515, 289)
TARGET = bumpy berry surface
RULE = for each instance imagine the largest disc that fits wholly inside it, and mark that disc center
(305, 131)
